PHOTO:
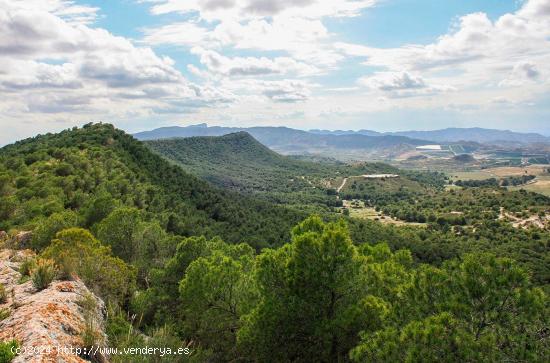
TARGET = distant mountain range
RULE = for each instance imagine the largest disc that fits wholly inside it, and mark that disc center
(474, 134)
(280, 136)
(292, 141)
(354, 145)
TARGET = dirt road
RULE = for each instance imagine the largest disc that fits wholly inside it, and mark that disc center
(341, 186)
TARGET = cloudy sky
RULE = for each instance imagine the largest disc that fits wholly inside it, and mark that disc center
(337, 64)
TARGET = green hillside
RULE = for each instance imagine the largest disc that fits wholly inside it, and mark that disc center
(163, 249)
(81, 170)
(239, 162)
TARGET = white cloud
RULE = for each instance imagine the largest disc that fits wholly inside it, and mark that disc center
(287, 91)
(402, 84)
(67, 10)
(246, 9)
(19, 75)
(257, 60)
(279, 91)
(57, 68)
(476, 57)
(182, 33)
(250, 66)
(391, 81)
(304, 39)
(476, 43)
(522, 73)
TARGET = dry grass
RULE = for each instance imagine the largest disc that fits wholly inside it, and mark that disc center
(518, 170)
(471, 175)
(541, 185)
(499, 172)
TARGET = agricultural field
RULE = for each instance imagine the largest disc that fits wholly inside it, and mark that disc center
(540, 185)
(499, 172)
(470, 175)
(519, 170)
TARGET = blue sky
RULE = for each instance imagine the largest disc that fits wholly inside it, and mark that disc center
(340, 64)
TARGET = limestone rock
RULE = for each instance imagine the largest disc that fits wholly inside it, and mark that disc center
(49, 319)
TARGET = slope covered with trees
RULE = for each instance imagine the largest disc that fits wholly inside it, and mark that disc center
(78, 177)
(240, 163)
(181, 263)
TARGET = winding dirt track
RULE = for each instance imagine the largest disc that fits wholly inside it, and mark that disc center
(341, 186)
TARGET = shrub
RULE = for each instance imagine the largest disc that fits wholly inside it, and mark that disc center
(43, 274)
(77, 251)
(47, 228)
(91, 335)
(27, 266)
(4, 313)
(6, 348)
(3, 294)
(67, 267)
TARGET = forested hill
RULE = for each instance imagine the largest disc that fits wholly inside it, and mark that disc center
(234, 160)
(83, 174)
(239, 162)
(235, 148)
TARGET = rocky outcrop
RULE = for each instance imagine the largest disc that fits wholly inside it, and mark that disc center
(19, 240)
(49, 324)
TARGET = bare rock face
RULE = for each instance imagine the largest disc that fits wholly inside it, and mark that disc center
(48, 324)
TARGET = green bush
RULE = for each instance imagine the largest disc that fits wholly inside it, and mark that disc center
(27, 266)
(6, 349)
(67, 267)
(3, 294)
(76, 251)
(43, 274)
(4, 313)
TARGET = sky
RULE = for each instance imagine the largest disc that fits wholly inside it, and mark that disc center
(383, 65)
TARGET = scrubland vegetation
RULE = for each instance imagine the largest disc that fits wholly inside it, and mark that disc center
(236, 277)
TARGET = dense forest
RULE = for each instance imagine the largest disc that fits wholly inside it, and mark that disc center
(240, 163)
(85, 174)
(237, 276)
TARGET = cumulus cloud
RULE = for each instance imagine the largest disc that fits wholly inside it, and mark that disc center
(287, 91)
(134, 67)
(53, 62)
(391, 81)
(181, 33)
(401, 84)
(304, 39)
(56, 64)
(522, 73)
(245, 9)
(20, 75)
(69, 11)
(250, 66)
(279, 91)
(476, 42)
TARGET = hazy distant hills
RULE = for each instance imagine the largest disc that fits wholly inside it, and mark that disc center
(475, 134)
(292, 141)
(284, 138)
